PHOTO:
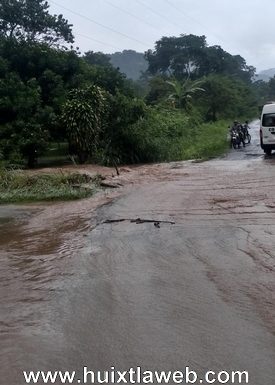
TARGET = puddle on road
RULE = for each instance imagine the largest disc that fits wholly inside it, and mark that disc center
(39, 245)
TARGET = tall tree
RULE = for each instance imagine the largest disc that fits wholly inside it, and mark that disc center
(271, 89)
(225, 97)
(21, 122)
(97, 58)
(30, 20)
(178, 56)
(190, 56)
(261, 91)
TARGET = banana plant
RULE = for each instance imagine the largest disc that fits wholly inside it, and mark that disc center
(83, 116)
(182, 92)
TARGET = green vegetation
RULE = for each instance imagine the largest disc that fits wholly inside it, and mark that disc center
(85, 108)
(30, 20)
(211, 141)
(169, 137)
(18, 186)
(189, 55)
(83, 116)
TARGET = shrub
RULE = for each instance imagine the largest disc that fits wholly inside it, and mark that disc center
(169, 135)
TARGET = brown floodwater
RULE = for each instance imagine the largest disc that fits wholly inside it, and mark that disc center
(87, 284)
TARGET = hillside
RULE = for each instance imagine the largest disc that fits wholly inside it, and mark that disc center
(129, 62)
(265, 75)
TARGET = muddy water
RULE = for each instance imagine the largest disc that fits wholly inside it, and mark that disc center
(76, 291)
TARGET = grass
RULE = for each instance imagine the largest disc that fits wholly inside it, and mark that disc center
(19, 186)
(172, 136)
(209, 141)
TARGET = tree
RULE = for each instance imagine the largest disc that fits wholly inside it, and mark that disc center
(158, 90)
(225, 97)
(271, 89)
(83, 116)
(177, 56)
(108, 78)
(183, 91)
(219, 98)
(31, 21)
(190, 56)
(215, 60)
(53, 72)
(21, 129)
(116, 140)
(97, 58)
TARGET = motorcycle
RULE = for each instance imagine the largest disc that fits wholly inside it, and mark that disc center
(247, 137)
(235, 139)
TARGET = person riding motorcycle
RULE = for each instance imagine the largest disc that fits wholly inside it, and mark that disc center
(245, 128)
(234, 127)
(238, 128)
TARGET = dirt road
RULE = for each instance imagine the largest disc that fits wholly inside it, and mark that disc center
(194, 286)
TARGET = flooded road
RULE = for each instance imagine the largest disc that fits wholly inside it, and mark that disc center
(178, 270)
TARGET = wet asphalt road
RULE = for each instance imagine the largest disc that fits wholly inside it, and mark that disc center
(198, 293)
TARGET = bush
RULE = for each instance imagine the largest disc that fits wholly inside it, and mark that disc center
(169, 135)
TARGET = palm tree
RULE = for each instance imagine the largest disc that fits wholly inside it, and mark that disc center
(183, 92)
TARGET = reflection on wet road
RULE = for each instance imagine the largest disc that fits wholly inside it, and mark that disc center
(77, 291)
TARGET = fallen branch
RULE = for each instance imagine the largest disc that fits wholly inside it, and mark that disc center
(115, 220)
(138, 221)
(110, 185)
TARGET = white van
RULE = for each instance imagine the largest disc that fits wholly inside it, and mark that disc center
(267, 128)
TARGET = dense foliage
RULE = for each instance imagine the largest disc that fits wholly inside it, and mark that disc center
(51, 94)
(30, 20)
(189, 55)
(83, 117)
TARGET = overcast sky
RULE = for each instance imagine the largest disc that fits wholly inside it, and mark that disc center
(244, 27)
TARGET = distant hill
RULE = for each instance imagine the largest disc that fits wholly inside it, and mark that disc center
(133, 63)
(130, 62)
(265, 75)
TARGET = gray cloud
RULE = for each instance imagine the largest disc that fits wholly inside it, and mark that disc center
(243, 27)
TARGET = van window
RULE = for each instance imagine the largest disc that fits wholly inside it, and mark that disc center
(268, 120)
